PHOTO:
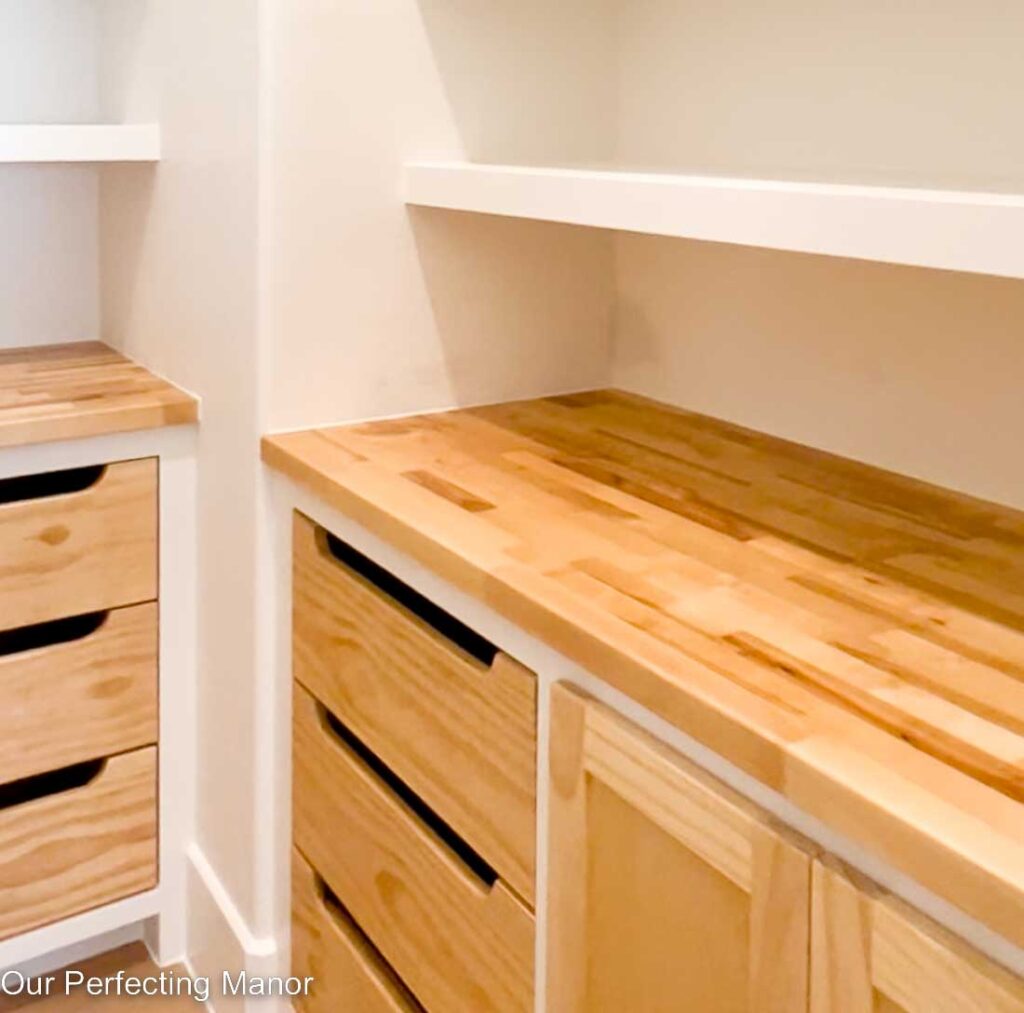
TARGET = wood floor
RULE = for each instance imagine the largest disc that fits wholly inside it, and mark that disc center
(134, 960)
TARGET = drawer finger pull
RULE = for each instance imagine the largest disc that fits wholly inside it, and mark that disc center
(56, 782)
(466, 855)
(339, 914)
(332, 904)
(59, 631)
(52, 483)
(442, 622)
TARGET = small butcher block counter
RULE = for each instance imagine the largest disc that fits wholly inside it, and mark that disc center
(65, 392)
(851, 638)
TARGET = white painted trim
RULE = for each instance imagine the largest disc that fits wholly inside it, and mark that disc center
(273, 711)
(79, 142)
(178, 577)
(954, 230)
(252, 945)
(552, 667)
(173, 441)
(223, 941)
(83, 950)
(30, 946)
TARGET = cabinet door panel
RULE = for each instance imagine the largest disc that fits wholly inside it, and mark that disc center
(872, 954)
(667, 892)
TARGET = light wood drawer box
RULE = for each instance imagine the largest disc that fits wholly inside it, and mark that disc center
(348, 973)
(78, 848)
(459, 942)
(65, 553)
(460, 731)
(91, 692)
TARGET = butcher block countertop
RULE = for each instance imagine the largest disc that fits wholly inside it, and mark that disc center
(851, 638)
(65, 392)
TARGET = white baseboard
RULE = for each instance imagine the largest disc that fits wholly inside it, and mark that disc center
(79, 952)
(220, 939)
(54, 942)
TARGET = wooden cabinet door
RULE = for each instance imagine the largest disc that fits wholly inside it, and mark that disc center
(871, 953)
(667, 892)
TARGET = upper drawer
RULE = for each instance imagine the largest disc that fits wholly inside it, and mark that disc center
(65, 553)
(459, 730)
(457, 936)
(77, 689)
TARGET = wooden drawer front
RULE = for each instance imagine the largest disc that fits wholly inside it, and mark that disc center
(461, 733)
(348, 973)
(77, 552)
(75, 850)
(459, 944)
(82, 698)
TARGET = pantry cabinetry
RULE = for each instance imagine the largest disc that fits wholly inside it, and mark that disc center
(414, 796)
(666, 892)
(78, 690)
(94, 662)
(769, 604)
(869, 952)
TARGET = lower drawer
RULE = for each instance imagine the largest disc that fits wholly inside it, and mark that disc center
(347, 972)
(77, 689)
(458, 937)
(77, 839)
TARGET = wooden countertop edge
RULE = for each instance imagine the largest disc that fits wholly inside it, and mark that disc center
(976, 863)
(72, 425)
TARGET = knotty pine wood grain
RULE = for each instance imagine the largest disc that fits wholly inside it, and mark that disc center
(348, 972)
(65, 392)
(78, 849)
(81, 700)
(852, 638)
(870, 952)
(461, 734)
(667, 891)
(459, 945)
(81, 552)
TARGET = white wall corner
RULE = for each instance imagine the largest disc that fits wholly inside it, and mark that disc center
(220, 939)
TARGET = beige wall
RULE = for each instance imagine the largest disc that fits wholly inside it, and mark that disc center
(376, 310)
(910, 93)
(179, 269)
(48, 262)
(532, 81)
(914, 370)
(903, 93)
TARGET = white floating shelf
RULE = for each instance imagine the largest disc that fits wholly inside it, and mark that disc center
(133, 142)
(959, 231)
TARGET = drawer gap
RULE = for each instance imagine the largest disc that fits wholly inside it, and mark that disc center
(442, 622)
(55, 782)
(58, 631)
(337, 911)
(51, 483)
(469, 857)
